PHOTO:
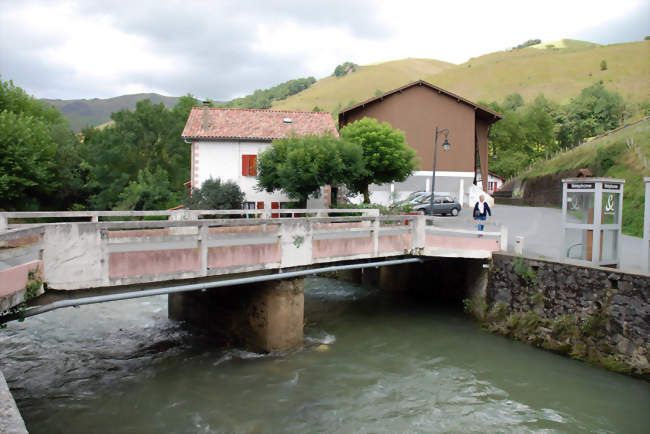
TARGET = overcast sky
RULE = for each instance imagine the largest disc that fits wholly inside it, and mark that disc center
(222, 49)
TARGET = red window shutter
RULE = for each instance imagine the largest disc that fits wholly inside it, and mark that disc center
(252, 165)
(260, 205)
(275, 205)
(244, 165)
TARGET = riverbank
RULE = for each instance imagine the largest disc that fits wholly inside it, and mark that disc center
(593, 314)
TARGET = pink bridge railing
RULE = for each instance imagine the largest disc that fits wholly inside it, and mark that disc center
(81, 255)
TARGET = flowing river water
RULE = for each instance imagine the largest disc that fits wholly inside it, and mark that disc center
(370, 364)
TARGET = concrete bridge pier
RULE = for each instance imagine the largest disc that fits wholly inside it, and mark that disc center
(266, 316)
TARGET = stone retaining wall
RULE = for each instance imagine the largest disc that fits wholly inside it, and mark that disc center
(589, 313)
(10, 419)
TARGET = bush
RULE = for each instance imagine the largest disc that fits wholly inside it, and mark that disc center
(215, 194)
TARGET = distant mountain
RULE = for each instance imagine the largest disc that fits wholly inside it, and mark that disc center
(96, 111)
(559, 69)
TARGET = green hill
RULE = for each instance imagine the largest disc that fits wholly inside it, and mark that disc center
(609, 156)
(83, 112)
(560, 70)
(332, 92)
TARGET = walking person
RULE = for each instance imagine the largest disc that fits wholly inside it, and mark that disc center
(481, 211)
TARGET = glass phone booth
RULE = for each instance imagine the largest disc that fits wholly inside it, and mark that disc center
(592, 210)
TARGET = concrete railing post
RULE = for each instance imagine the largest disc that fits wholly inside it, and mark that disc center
(419, 230)
(4, 223)
(296, 242)
(203, 248)
(504, 238)
(519, 245)
(375, 236)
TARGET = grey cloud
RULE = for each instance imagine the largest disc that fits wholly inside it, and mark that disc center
(632, 27)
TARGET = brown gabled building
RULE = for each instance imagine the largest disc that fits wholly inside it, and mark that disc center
(417, 109)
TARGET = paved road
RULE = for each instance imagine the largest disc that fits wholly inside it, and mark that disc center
(542, 230)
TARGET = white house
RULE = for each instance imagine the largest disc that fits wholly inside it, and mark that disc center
(495, 182)
(225, 144)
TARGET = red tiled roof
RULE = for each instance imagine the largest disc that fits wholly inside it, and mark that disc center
(250, 124)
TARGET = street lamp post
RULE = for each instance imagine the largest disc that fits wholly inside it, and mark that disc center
(445, 147)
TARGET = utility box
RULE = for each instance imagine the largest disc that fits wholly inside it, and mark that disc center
(592, 211)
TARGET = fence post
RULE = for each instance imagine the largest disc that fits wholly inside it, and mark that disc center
(4, 222)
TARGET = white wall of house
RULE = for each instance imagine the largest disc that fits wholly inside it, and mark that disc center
(223, 159)
(454, 184)
(494, 183)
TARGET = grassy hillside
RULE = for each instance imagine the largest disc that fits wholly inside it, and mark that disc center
(560, 70)
(83, 112)
(610, 156)
(331, 91)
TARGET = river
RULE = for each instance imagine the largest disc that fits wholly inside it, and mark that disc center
(371, 363)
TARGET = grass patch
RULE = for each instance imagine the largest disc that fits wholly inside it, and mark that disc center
(610, 157)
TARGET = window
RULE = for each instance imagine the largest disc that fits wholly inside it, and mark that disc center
(249, 165)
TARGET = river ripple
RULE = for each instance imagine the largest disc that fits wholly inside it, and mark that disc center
(370, 364)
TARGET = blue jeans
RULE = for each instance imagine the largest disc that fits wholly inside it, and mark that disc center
(481, 218)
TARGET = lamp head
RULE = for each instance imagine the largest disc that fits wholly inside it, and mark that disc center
(446, 145)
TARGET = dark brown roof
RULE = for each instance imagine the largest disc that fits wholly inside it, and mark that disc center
(484, 112)
(250, 124)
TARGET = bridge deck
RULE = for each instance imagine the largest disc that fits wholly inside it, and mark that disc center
(71, 256)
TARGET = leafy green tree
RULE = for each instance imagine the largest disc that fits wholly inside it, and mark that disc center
(603, 65)
(386, 156)
(513, 101)
(263, 99)
(145, 139)
(42, 166)
(528, 43)
(215, 194)
(150, 191)
(299, 166)
(595, 111)
(27, 158)
(344, 69)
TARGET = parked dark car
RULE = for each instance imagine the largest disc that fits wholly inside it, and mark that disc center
(412, 199)
(441, 205)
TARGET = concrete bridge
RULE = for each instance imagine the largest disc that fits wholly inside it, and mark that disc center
(191, 250)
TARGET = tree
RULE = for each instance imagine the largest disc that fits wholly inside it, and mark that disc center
(595, 111)
(344, 69)
(215, 194)
(299, 166)
(513, 101)
(146, 139)
(263, 99)
(150, 191)
(386, 156)
(603, 65)
(41, 163)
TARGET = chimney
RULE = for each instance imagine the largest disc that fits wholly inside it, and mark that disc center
(204, 124)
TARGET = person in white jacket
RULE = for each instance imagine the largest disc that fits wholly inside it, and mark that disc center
(481, 211)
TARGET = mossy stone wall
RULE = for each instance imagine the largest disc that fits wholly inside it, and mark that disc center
(589, 313)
